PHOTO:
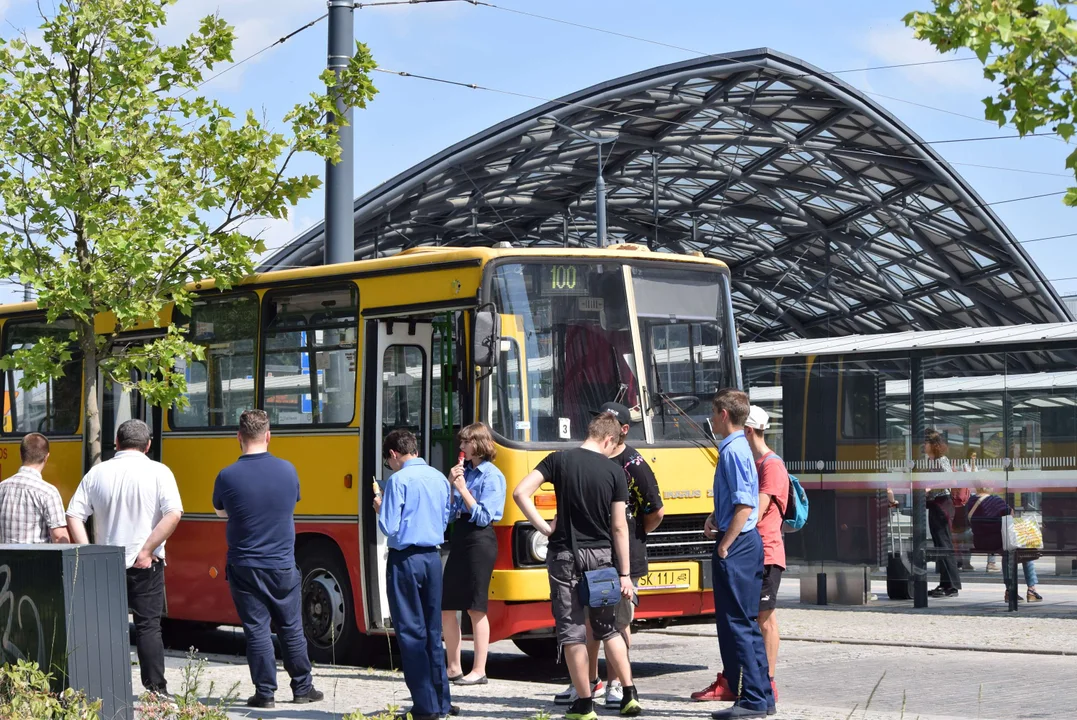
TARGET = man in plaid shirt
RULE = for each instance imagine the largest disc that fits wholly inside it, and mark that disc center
(31, 510)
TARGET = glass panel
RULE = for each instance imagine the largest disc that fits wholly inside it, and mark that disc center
(679, 316)
(403, 381)
(841, 427)
(310, 346)
(443, 450)
(117, 407)
(51, 408)
(506, 400)
(1041, 402)
(220, 387)
(578, 343)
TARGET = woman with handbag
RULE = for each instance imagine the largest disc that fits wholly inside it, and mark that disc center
(940, 513)
(478, 501)
(985, 513)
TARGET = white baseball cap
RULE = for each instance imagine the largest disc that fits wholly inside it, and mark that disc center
(758, 418)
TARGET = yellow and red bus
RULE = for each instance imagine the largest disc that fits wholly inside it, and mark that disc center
(530, 341)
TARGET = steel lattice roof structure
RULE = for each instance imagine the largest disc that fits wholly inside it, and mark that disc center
(833, 217)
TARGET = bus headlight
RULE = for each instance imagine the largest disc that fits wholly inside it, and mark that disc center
(538, 544)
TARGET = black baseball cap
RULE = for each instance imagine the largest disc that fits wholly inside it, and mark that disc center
(622, 413)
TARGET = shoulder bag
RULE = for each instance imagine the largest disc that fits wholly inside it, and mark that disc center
(595, 588)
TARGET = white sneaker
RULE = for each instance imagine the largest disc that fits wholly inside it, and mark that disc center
(614, 694)
(569, 695)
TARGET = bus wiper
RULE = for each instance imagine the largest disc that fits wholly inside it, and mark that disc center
(667, 400)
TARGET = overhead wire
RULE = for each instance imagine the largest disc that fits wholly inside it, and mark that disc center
(279, 41)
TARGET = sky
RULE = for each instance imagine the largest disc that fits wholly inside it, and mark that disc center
(532, 60)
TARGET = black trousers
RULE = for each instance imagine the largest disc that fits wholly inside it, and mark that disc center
(146, 600)
(939, 512)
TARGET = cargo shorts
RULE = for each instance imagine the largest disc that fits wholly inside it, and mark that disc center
(569, 614)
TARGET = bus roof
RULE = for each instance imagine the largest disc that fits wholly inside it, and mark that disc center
(427, 255)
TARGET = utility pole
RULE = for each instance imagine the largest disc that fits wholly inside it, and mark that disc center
(339, 178)
(27, 293)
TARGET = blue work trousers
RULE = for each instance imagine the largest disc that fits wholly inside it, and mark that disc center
(738, 581)
(262, 595)
(413, 581)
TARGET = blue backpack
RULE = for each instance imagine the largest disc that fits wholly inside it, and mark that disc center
(796, 507)
(795, 516)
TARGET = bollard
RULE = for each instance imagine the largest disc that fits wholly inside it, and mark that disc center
(919, 593)
(820, 585)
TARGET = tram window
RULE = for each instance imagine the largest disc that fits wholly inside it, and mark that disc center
(310, 352)
(860, 407)
(220, 386)
(51, 408)
(403, 381)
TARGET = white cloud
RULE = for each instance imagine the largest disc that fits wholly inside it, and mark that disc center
(257, 23)
(895, 45)
(277, 233)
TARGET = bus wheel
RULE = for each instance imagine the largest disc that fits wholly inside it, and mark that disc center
(327, 604)
(538, 648)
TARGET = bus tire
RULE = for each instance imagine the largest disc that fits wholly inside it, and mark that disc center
(327, 604)
(538, 648)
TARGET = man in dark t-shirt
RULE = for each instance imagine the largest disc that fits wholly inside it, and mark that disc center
(644, 511)
(591, 494)
(258, 494)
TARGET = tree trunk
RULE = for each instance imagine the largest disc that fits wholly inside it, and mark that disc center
(88, 342)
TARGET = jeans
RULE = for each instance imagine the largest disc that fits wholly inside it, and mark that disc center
(1029, 568)
(262, 595)
(146, 599)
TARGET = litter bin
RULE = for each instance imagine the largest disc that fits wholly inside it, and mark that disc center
(66, 606)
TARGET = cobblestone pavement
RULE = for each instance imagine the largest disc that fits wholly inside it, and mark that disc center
(817, 680)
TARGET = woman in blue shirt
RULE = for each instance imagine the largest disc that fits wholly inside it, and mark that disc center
(478, 501)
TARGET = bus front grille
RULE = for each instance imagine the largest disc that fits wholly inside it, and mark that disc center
(679, 537)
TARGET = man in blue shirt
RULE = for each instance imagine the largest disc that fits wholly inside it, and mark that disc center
(258, 494)
(413, 513)
(738, 561)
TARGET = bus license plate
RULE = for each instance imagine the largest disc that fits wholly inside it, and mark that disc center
(676, 578)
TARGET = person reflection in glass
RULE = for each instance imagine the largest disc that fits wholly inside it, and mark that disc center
(940, 513)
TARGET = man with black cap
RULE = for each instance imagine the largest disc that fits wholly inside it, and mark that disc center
(644, 510)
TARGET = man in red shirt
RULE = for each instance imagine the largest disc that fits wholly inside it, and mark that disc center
(773, 496)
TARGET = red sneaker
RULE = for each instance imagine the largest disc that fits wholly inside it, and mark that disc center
(717, 690)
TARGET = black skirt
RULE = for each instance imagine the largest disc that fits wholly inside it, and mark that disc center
(472, 553)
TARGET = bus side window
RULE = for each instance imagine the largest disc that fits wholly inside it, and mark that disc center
(53, 407)
(309, 345)
(221, 386)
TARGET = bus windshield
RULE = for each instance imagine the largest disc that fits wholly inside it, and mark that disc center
(568, 348)
(684, 344)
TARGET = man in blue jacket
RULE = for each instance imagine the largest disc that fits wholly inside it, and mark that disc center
(413, 513)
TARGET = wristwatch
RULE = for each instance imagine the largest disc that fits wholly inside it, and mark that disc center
(625, 575)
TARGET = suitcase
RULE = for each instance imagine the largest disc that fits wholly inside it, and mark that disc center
(898, 577)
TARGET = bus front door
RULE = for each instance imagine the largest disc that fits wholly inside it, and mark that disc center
(398, 395)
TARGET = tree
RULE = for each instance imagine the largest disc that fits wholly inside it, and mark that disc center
(120, 184)
(1028, 47)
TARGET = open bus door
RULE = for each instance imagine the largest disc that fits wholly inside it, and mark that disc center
(398, 395)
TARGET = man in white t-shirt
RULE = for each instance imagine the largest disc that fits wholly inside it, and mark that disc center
(136, 505)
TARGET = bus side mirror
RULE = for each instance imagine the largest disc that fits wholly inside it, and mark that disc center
(486, 340)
